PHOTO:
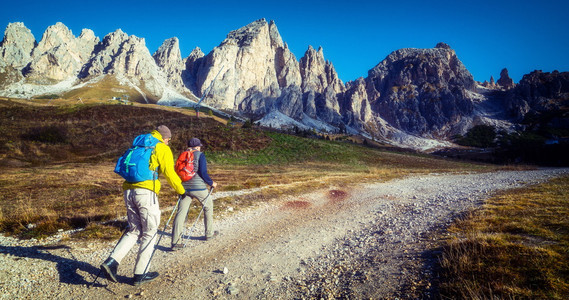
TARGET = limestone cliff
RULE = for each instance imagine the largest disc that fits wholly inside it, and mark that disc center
(60, 55)
(16, 46)
(254, 64)
(127, 58)
(169, 60)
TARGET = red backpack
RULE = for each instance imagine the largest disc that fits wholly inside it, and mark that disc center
(185, 165)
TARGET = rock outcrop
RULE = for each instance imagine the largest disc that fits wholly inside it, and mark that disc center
(253, 63)
(321, 87)
(420, 91)
(60, 55)
(17, 46)
(505, 81)
(539, 92)
(191, 64)
(356, 107)
(169, 59)
(129, 60)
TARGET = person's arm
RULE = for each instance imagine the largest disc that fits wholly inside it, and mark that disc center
(202, 170)
(166, 161)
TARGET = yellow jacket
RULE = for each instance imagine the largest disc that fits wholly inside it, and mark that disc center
(164, 160)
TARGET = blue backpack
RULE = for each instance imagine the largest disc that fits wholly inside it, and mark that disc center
(134, 164)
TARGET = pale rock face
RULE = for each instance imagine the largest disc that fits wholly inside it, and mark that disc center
(312, 69)
(169, 60)
(317, 73)
(126, 57)
(287, 67)
(193, 57)
(246, 62)
(17, 45)
(321, 86)
(86, 44)
(60, 55)
(357, 108)
(191, 64)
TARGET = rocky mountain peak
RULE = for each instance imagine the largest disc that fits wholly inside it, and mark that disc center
(505, 81)
(421, 90)
(192, 66)
(60, 55)
(169, 60)
(128, 58)
(246, 35)
(321, 86)
(114, 38)
(55, 35)
(276, 39)
(168, 53)
(16, 46)
(253, 61)
(196, 53)
(88, 35)
(442, 45)
(539, 92)
(318, 73)
(312, 69)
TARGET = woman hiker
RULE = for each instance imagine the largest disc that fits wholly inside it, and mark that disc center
(196, 187)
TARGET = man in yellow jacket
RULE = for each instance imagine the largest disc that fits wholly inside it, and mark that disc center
(143, 212)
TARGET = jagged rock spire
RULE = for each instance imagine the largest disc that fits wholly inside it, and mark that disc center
(17, 46)
(60, 55)
(169, 60)
(505, 81)
(254, 62)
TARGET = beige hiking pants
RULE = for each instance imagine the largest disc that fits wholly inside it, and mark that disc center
(182, 214)
(143, 213)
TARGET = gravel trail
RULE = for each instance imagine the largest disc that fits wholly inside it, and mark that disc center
(370, 241)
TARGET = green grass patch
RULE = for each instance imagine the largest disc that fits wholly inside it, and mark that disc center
(515, 247)
(285, 148)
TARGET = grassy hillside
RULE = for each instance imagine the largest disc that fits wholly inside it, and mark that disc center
(31, 135)
(57, 163)
(105, 89)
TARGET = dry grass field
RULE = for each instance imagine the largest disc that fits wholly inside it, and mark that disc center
(58, 161)
(515, 247)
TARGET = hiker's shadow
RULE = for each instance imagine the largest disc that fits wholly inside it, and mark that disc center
(66, 267)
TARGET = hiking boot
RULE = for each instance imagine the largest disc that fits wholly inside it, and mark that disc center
(215, 234)
(176, 247)
(109, 267)
(140, 279)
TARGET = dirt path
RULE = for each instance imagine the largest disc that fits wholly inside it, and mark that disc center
(367, 242)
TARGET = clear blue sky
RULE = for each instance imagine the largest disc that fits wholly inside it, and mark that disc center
(355, 35)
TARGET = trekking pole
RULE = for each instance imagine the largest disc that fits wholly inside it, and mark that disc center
(100, 270)
(201, 211)
(164, 230)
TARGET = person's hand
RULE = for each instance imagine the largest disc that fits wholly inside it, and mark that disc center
(214, 185)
